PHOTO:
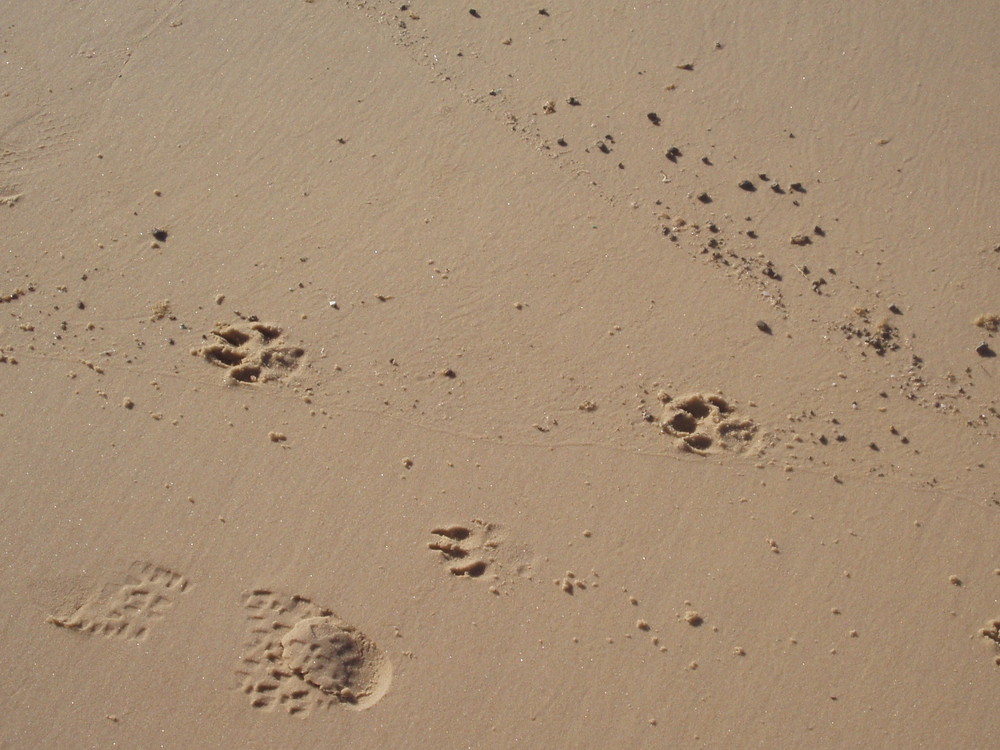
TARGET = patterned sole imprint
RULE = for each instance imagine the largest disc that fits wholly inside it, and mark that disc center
(127, 610)
(302, 657)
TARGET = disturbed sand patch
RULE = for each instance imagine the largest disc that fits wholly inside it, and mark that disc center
(257, 354)
(706, 423)
(127, 609)
(302, 657)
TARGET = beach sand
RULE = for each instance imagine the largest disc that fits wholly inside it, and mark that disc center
(565, 375)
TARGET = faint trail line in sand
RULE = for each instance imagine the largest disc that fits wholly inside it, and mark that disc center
(101, 117)
(422, 53)
(744, 267)
(335, 408)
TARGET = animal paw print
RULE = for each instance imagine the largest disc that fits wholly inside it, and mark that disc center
(992, 632)
(706, 423)
(255, 356)
(467, 550)
(301, 657)
(127, 610)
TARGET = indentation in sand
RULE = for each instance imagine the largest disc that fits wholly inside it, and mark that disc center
(479, 549)
(126, 610)
(706, 423)
(257, 354)
(302, 657)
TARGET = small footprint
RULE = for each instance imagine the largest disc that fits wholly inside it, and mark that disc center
(128, 609)
(255, 355)
(302, 657)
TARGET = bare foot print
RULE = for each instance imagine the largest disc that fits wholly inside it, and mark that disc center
(127, 609)
(302, 657)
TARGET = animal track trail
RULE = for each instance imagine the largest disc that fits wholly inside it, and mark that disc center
(128, 609)
(257, 354)
(27, 145)
(301, 657)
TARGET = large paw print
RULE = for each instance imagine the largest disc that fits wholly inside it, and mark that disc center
(257, 355)
(705, 423)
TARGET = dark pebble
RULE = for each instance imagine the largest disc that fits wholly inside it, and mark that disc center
(160, 235)
(819, 231)
(797, 187)
(474, 13)
(562, 142)
(705, 198)
(654, 118)
(748, 186)
(542, 12)
(763, 327)
(983, 350)
(895, 310)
